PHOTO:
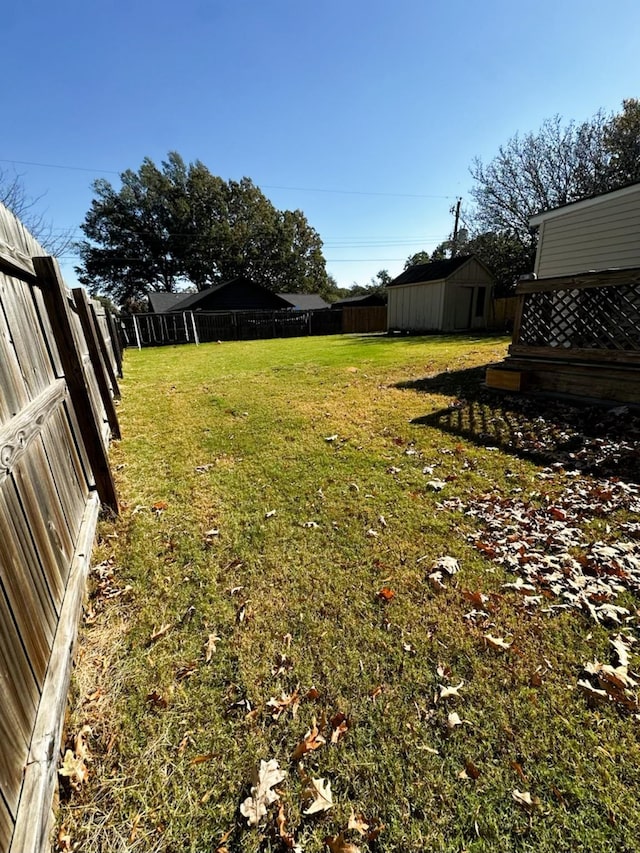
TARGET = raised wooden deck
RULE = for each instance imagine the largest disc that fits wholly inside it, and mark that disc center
(576, 336)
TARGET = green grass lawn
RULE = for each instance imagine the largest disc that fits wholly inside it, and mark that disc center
(284, 503)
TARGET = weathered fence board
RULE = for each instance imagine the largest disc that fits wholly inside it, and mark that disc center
(57, 383)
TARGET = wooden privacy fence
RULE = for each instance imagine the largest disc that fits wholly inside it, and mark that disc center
(577, 335)
(59, 361)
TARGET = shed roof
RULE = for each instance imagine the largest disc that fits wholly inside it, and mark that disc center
(433, 271)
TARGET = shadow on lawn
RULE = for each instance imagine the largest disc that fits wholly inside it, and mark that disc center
(593, 439)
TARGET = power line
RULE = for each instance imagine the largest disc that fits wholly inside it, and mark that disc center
(266, 186)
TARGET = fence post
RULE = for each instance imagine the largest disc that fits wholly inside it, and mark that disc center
(95, 356)
(116, 343)
(195, 331)
(53, 291)
(136, 330)
(103, 349)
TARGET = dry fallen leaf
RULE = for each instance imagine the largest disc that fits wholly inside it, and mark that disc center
(454, 720)
(497, 643)
(254, 808)
(449, 692)
(339, 726)
(320, 791)
(286, 701)
(287, 838)
(358, 823)
(448, 564)
(161, 632)
(81, 747)
(312, 740)
(524, 799)
(386, 594)
(211, 647)
(74, 769)
(338, 844)
(435, 581)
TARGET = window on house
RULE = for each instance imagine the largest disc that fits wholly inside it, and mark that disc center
(480, 299)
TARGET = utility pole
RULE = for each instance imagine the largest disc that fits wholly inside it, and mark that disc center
(454, 241)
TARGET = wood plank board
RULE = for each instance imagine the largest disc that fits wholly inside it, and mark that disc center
(19, 705)
(27, 592)
(14, 392)
(31, 350)
(32, 819)
(6, 824)
(45, 518)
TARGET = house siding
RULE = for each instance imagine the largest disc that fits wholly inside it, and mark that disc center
(598, 236)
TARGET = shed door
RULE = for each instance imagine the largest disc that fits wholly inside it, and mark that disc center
(462, 311)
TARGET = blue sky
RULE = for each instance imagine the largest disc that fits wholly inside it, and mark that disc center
(364, 115)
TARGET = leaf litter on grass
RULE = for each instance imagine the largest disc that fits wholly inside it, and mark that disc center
(398, 683)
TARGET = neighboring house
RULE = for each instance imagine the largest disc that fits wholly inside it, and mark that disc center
(442, 296)
(161, 303)
(598, 233)
(365, 300)
(239, 294)
(304, 301)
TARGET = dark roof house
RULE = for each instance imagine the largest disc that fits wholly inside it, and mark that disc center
(161, 303)
(304, 301)
(239, 294)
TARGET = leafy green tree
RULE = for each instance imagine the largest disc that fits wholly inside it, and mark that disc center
(421, 257)
(168, 227)
(378, 284)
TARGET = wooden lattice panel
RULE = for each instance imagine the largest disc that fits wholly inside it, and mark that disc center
(594, 318)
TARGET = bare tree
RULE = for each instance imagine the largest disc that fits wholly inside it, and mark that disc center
(14, 196)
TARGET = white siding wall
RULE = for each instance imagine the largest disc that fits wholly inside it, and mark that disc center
(415, 307)
(593, 235)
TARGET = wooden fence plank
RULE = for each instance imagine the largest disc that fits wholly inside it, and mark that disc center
(14, 394)
(31, 351)
(19, 703)
(25, 587)
(6, 824)
(53, 288)
(45, 518)
(32, 820)
(97, 361)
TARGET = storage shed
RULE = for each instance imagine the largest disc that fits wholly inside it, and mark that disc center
(598, 233)
(442, 296)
